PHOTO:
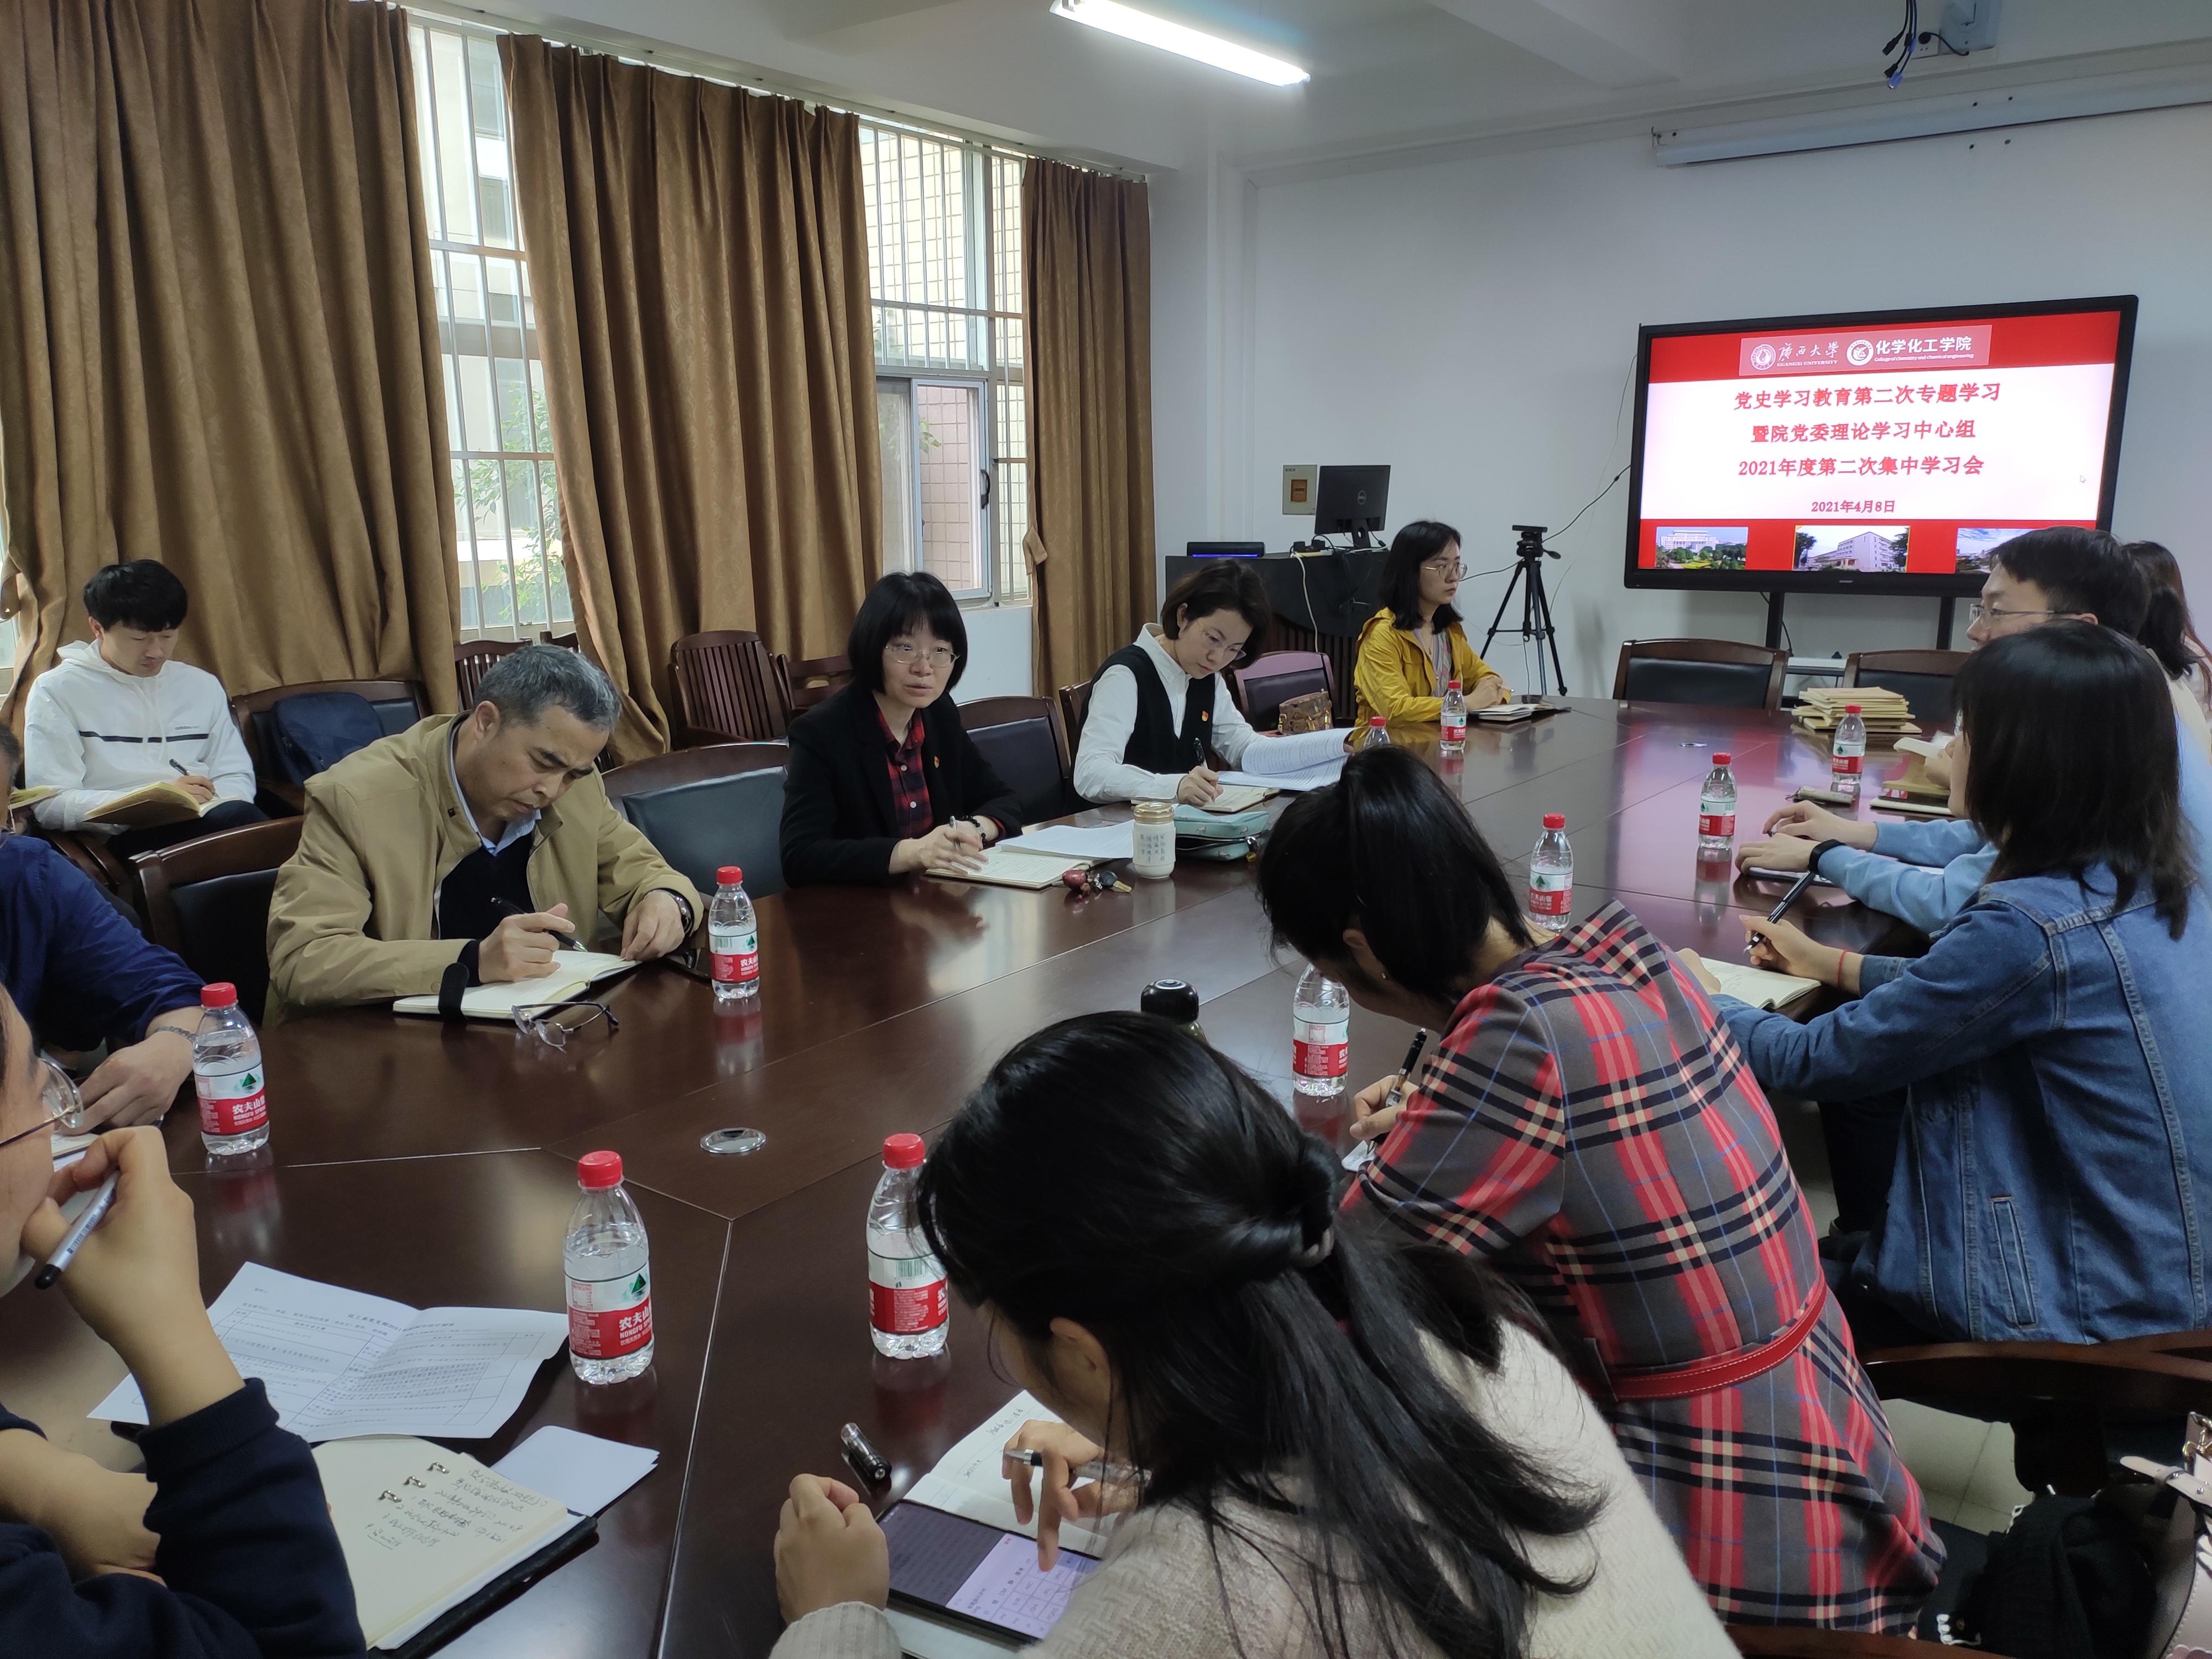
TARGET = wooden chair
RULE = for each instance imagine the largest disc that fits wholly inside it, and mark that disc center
(1074, 708)
(1027, 746)
(726, 689)
(1923, 678)
(90, 856)
(1719, 673)
(399, 704)
(472, 660)
(1264, 685)
(808, 681)
(566, 642)
(2061, 1396)
(208, 900)
(705, 807)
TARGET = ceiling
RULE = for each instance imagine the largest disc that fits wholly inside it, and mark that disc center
(1384, 71)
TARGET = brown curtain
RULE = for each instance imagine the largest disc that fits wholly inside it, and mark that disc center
(700, 258)
(218, 337)
(1087, 293)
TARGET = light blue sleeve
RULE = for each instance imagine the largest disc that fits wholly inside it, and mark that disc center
(1925, 898)
(2197, 798)
(1927, 840)
(1984, 986)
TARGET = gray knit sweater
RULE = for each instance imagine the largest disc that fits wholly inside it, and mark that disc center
(1158, 1594)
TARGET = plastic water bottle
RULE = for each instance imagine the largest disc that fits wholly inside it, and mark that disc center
(733, 938)
(1717, 807)
(227, 1076)
(1453, 720)
(1321, 1034)
(1847, 753)
(1378, 734)
(610, 1276)
(907, 1311)
(1552, 871)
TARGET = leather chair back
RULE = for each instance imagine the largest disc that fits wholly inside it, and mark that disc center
(208, 900)
(1267, 683)
(704, 808)
(1021, 738)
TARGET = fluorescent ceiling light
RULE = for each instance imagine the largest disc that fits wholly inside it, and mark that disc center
(1141, 25)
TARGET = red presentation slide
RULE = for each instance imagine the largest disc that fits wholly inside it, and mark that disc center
(1881, 449)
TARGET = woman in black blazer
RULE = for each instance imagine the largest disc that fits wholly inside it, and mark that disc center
(883, 778)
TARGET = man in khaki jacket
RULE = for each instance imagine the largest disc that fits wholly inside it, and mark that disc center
(470, 844)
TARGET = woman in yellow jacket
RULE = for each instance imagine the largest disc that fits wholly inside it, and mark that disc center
(1414, 645)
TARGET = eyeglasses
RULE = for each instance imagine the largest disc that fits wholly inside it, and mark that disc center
(58, 1099)
(554, 1023)
(1446, 566)
(1976, 611)
(938, 657)
(1217, 644)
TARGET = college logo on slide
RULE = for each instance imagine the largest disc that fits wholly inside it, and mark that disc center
(1859, 353)
(1762, 356)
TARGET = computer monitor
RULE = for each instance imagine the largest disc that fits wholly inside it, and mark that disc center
(1352, 500)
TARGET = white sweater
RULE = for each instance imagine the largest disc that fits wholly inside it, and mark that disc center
(1158, 1593)
(1101, 774)
(94, 732)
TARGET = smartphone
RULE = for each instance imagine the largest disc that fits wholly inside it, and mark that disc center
(977, 1576)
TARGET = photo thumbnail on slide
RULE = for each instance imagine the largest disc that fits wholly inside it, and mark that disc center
(1703, 547)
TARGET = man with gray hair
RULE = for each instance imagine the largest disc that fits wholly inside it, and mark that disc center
(466, 850)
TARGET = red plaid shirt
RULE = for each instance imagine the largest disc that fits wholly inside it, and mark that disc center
(1590, 1126)
(912, 814)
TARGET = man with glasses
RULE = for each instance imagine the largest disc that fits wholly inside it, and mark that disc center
(1926, 872)
(73, 962)
(884, 781)
(466, 850)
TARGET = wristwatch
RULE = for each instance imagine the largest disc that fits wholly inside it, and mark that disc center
(1821, 851)
(691, 916)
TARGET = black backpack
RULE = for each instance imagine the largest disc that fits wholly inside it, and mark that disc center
(2068, 1581)
(316, 730)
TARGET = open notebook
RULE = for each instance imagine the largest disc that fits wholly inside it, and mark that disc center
(970, 1479)
(1759, 986)
(426, 1531)
(1016, 866)
(574, 972)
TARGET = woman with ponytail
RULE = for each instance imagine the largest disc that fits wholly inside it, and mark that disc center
(1587, 1126)
(1352, 1445)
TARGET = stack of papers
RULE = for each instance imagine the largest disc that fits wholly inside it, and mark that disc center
(1072, 840)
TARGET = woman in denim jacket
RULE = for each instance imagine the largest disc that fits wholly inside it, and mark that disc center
(2054, 1171)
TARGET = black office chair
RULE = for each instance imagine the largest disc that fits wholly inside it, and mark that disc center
(208, 900)
(1718, 674)
(703, 808)
(1021, 737)
(1267, 683)
(1923, 678)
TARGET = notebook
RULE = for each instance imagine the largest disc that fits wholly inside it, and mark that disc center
(970, 1479)
(149, 806)
(20, 799)
(1237, 798)
(1505, 713)
(574, 972)
(426, 1530)
(1015, 866)
(1759, 986)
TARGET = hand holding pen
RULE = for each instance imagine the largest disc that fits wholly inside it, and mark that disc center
(1376, 1108)
(1063, 1458)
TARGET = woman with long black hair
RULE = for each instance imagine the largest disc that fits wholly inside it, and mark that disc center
(1352, 1445)
(1587, 1126)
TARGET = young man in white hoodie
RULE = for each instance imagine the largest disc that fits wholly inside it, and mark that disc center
(114, 713)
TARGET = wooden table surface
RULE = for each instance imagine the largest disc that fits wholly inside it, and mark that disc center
(436, 1166)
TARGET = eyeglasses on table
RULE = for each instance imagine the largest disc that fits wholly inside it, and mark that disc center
(558, 1023)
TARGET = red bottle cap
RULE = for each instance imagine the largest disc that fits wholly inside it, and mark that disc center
(597, 1171)
(222, 995)
(1723, 758)
(730, 876)
(1555, 820)
(902, 1151)
(1453, 685)
(1376, 719)
(1850, 708)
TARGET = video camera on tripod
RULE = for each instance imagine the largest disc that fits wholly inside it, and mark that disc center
(1530, 553)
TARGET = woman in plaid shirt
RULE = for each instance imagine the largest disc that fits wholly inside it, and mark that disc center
(1588, 1126)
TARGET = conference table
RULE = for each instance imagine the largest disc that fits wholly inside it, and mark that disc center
(435, 1164)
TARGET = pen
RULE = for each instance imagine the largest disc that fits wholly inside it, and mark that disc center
(65, 1252)
(510, 908)
(1363, 1154)
(867, 1462)
(179, 770)
(1790, 897)
(1118, 1475)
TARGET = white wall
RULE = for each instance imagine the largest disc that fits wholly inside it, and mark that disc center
(1472, 323)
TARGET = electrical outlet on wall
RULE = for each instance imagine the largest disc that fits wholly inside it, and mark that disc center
(1298, 483)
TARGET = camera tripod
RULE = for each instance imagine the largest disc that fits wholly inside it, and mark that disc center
(1535, 607)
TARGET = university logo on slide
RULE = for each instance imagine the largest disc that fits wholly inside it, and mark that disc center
(1859, 353)
(1762, 356)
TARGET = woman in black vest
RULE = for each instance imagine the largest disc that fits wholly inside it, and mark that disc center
(884, 779)
(1160, 707)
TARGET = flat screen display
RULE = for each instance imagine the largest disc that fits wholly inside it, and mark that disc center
(1879, 451)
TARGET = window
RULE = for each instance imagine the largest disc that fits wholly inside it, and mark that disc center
(506, 505)
(945, 245)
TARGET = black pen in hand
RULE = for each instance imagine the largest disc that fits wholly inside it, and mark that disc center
(560, 941)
